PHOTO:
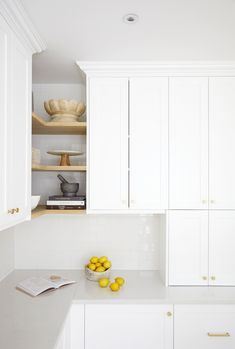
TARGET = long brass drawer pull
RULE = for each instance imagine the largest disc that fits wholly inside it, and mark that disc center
(225, 334)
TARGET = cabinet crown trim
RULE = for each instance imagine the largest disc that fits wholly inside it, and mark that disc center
(16, 17)
(170, 68)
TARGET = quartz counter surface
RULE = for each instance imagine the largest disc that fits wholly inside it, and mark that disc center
(36, 322)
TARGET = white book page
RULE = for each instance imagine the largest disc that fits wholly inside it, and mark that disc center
(35, 285)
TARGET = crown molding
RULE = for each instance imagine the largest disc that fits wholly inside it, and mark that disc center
(158, 68)
(15, 15)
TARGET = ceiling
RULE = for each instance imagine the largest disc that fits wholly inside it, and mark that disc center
(93, 30)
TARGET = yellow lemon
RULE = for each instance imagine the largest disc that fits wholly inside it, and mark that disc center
(114, 286)
(102, 259)
(91, 266)
(107, 264)
(104, 282)
(120, 281)
(100, 269)
(98, 264)
(94, 260)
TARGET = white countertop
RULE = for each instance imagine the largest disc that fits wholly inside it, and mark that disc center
(36, 322)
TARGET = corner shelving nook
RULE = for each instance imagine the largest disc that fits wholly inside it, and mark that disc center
(42, 127)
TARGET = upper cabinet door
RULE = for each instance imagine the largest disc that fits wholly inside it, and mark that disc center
(4, 71)
(19, 134)
(15, 130)
(222, 143)
(148, 143)
(188, 247)
(188, 143)
(108, 144)
(221, 248)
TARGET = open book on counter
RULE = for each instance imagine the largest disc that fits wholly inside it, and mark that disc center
(37, 285)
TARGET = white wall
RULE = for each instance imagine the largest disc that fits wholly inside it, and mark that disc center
(131, 242)
(7, 252)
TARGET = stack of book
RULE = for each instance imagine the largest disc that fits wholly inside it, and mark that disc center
(57, 202)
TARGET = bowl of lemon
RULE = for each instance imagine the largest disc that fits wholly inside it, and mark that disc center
(97, 268)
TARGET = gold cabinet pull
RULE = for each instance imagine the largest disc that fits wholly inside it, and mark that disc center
(169, 313)
(225, 334)
(13, 210)
(204, 201)
(213, 278)
(204, 278)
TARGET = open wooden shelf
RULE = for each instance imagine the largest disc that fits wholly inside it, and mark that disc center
(76, 168)
(42, 210)
(42, 127)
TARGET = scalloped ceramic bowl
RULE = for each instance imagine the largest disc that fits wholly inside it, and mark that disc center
(64, 110)
(95, 276)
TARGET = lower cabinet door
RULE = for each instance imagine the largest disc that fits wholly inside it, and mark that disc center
(221, 248)
(128, 326)
(188, 248)
(204, 327)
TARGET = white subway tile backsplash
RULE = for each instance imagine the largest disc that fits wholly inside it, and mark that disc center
(57, 242)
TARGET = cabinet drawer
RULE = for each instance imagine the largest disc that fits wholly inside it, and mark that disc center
(204, 327)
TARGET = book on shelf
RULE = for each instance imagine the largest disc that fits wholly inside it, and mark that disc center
(67, 198)
(37, 285)
(62, 202)
(65, 207)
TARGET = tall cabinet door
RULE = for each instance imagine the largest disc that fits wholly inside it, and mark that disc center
(4, 71)
(188, 143)
(188, 247)
(108, 144)
(221, 248)
(222, 142)
(19, 133)
(148, 143)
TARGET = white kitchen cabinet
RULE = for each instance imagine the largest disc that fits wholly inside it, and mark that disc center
(4, 72)
(221, 248)
(15, 95)
(77, 326)
(17, 44)
(108, 144)
(148, 143)
(204, 326)
(188, 247)
(128, 326)
(201, 247)
(127, 144)
(222, 143)
(188, 142)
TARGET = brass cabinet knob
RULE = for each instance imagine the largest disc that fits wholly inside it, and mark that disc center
(213, 278)
(212, 201)
(204, 278)
(13, 210)
(204, 201)
(169, 313)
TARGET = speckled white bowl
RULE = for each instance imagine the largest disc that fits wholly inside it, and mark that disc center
(95, 276)
(64, 110)
(34, 201)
